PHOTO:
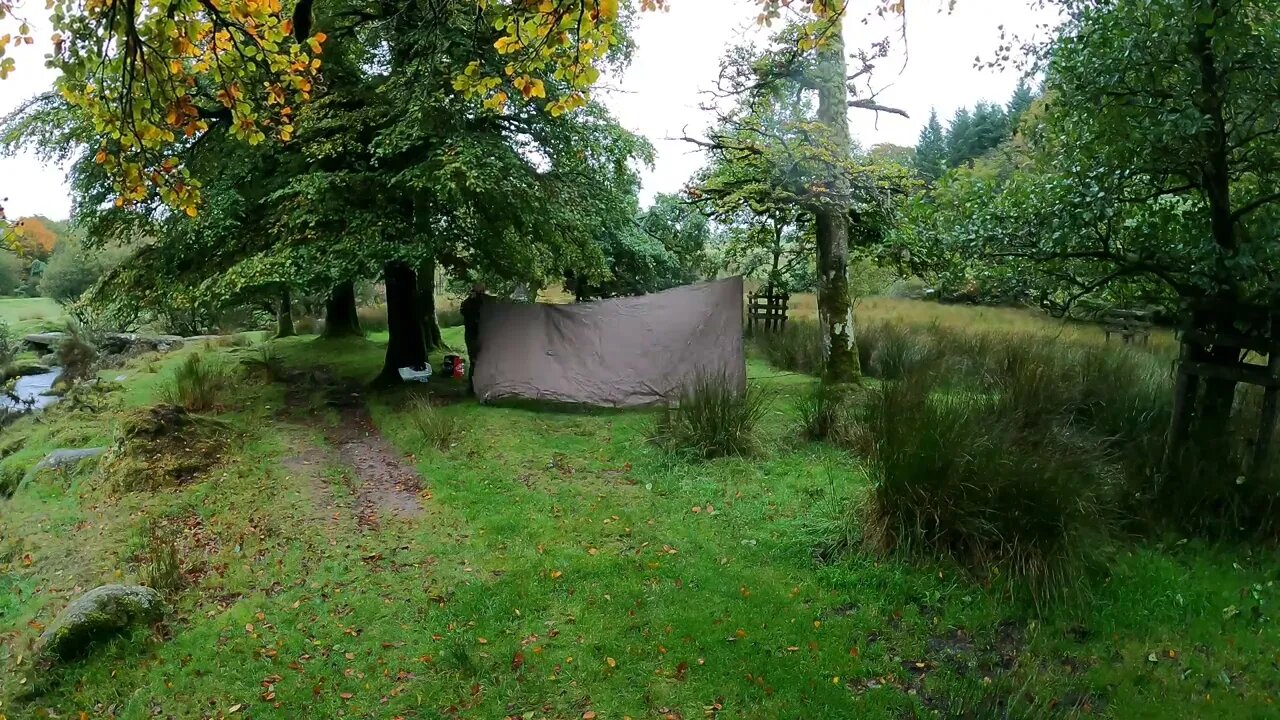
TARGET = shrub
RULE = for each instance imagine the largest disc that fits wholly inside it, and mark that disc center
(713, 418)
(962, 475)
(78, 352)
(9, 344)
(72, 269)
(10, 272)
(798, 348)
(195, 384)
(373, 318)
(435, 428)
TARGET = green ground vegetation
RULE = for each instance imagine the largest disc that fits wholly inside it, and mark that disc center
(564, 566)
(30, 315)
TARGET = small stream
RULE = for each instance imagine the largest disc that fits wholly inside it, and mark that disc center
(30, 392)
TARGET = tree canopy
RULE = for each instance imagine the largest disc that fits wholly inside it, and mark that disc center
(153, 76)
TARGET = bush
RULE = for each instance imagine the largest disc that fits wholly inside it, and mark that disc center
(713, 418)
(963, 475)
(10, 273)
(434, 427)
(798, 348)
(195, 384)
(78, 353)
(373, 318)
(73, 269)
(1019, 455)
(9, 345)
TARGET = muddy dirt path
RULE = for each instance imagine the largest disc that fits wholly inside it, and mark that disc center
(384, 483)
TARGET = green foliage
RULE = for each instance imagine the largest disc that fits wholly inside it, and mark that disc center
(966, 476)
(931, 149)
(161, 566)
(435, 428)
(73, 269)
(712, 418)
(1146, 177)
(78, 352)
(196, 384)
(11, 475)
(798, 348)
(11, 279)
(9, 344)
(265, 363)
(836, 414)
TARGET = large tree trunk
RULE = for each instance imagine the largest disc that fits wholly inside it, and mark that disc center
(406, 346)
(340, 317)
(284, 316)
(1219, 393)
(427, 305)
(835, 307)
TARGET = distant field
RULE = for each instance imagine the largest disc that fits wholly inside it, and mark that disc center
(972, 317)
(28, 315)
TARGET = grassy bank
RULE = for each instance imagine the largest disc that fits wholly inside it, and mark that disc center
(30, 315)
(562, 566)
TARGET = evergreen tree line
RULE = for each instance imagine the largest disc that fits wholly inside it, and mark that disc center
(970, 134)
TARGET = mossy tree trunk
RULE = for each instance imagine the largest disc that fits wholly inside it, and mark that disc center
(340, 317)
(427, 304)
(835, 306)
(284, 315)
(406, 346)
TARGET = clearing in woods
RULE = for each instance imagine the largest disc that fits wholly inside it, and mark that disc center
(557, 565)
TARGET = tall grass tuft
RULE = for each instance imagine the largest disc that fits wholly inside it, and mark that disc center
(196, 384)
(962, 474)
(265, 363)
(373, 318)
(436, 429)
(797, 348)
(161, 568)
(712, 418)
(837, 415)
(448, 316)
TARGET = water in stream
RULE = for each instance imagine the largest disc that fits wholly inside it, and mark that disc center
(30, 389)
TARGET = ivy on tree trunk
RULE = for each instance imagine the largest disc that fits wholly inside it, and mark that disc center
(835, 306)
(340, 317)
(284, 316)
(406, 346)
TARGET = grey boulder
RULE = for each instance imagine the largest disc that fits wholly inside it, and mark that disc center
(98, 614)
(65, 457)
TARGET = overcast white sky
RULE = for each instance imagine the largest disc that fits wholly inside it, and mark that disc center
(678, 58)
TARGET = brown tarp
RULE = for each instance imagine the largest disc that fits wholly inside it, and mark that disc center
(622, 352)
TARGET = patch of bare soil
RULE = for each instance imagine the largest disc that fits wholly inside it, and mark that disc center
(384, 482)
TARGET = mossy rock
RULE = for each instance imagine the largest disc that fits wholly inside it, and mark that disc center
(101, 613)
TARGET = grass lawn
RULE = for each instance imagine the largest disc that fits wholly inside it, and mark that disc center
(29, 315)
(563, 567)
